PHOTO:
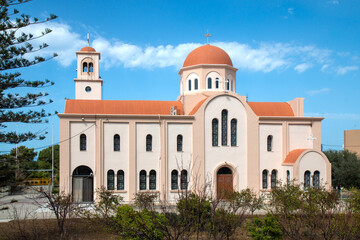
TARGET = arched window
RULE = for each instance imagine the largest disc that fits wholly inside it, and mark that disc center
(152, 180)
(179, 143)
(307, 179)
(224, 123)
(174, 180)
(148, 143)
(183, 180)
(316, 179)
(232, 85)
(189, 84)
(273, 178)
(82, 142)
(287, 176)
(215, 130)
(116, 142)
(142, 180)
(91, 67)
(209, 83)
(228, 84)
(233, 132)
(217, 83)
(265, 179)
(269, 143)
(120, 180)
(85, 69)
(110, 180)
(196, 82)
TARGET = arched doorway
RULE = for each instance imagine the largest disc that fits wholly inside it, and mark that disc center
(224, 183)
(82, 184)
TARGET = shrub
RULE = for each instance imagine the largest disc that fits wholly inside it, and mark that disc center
(268, 229)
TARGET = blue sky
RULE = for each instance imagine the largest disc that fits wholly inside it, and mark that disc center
(283, 50)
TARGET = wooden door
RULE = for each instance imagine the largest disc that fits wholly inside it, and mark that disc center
(224, 185)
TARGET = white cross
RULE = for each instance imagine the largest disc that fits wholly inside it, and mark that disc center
(312, 138)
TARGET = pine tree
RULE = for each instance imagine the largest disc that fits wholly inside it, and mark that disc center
(14, 51)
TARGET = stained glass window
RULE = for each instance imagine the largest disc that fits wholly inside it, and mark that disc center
(152, 180)
(307, 179)
(265, 179)
(273, 178)
(233, 132)
(215, 130)
(120, 180)
(142, 180)
(174, 180)
(224, 123)
(110, 180)
(183, 179)
(82, 142)
(116, 142)
(148, 142)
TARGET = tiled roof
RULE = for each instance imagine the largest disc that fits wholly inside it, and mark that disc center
(196, 108)
(207, 54)
(87, 49)
(292, 157)
(271, 109)
(136, 107)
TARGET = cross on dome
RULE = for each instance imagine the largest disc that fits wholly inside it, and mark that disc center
(207, 35)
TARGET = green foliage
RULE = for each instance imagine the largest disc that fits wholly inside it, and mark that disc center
(345, 167)
(145, 224)
(44, 161)
(145, 200)
(266, 229)
(194, 211)
(14, 46)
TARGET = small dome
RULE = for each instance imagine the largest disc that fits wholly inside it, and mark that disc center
(207, 54)
(87, 49)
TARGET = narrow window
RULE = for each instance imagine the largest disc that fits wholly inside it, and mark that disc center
(196, 82)
(209, 83)
(148, 143)
(142, 180)
(116, 142)
(233, 132)
(174, 180)
(265, 179)
(110, 180)
(91, 67)
(189, 84)
(316, 179)
(215, 129)
(120, 180)
(269, 143)
(232, 85)
(183, 180)
(228, 84)
(224, 121)
(85, 67)
(273, 178)
(217, 83)
(82, 142)
(287, 176)
(152, 180)
(179, 143)
(307, 179)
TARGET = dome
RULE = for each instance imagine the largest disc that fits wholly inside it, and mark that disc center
(207, 54)
(87, 49)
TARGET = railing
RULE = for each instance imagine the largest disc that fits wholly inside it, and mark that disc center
(37, 181)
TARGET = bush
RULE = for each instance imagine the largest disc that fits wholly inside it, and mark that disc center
(268, 229)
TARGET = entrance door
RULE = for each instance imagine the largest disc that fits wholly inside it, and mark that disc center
(82, 184)
(224, 183)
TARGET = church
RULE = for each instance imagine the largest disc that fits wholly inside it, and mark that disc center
(209, 136)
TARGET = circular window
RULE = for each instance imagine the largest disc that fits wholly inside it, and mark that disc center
(88, 89)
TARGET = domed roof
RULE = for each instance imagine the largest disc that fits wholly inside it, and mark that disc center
(207, 54)
(87, 49)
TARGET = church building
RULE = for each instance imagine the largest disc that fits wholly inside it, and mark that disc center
(209, 136)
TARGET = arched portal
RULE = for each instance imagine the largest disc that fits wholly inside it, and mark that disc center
(224, 183)
(82, 184)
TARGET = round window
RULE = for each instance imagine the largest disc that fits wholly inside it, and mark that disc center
(88, 89)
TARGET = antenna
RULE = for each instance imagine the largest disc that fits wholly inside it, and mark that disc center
(87, 38)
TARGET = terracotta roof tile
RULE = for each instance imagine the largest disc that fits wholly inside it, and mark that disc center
(196, 108)
(293, 156)
(207, 54)
(271, 109)
(137, 107)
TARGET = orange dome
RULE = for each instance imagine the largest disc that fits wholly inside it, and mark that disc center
(207, 54)
(87, 49)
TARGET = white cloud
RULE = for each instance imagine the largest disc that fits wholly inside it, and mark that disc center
(318, 91)
(324, 67)
(302, 67)
(291, 11)
(344, 70)
(334, 2)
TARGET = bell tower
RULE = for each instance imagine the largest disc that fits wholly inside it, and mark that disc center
(88, 83)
